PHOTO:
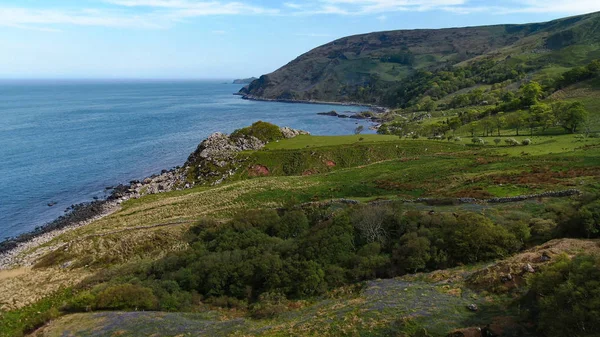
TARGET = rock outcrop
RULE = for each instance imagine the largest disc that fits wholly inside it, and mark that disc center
(216, 158)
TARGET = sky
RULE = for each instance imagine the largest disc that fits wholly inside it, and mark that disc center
(212, 39)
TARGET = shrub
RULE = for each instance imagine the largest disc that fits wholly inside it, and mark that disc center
(269, 305)
(84, 301)
(126, 296)
(497, 141)
(264, 131)
(526, 142)
(478, 141)
(573, 286)
(511, 142)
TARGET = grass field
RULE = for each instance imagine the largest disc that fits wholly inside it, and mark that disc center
(378, 167)
(304, 141)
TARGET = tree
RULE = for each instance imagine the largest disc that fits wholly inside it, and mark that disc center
(571, 116)
(413, 253)
(542, 113)
(454, 124)
(359, 129)
(472, 127)
(487, 125)
(498, 122)
(531, 93)
(532, 122)
(516, 121)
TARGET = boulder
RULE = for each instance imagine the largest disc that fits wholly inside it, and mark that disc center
(291, 133)
(528, 268)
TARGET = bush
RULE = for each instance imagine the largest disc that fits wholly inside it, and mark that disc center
(269, 305)
(478, 141)
(573, 286)
(82, 302)
(126, 296)
(264, 131)
(497, 141)
(526, 142)
(511, 142)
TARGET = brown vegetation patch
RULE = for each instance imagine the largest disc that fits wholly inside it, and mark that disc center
(308, 173)
(543, 175)
(476, 192)
(329, 163)
(26, 286)
(258, 171)
(511, 274)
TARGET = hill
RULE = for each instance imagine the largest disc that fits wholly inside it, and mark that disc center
(381, 68)
(244, 80)
(322, 235)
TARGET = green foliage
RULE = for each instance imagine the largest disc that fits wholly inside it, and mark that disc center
(125, 296)
(578, 74)
(567, 297)
(531, 93)
(571, 115)
(264, 131)
(22, 321)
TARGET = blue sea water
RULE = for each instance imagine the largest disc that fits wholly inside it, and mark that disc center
(63, 142)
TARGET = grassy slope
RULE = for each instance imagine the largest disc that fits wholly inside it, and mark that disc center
(385, 167)
(435, 301)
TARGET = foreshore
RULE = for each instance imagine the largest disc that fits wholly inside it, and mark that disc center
(375, 108)
(12, 249)
(83, 214)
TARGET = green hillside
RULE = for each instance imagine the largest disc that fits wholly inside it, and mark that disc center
(410, 67)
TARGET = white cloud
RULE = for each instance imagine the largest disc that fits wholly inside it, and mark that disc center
(157, 14)
(154, 14)
(45, 19)
(375, 7)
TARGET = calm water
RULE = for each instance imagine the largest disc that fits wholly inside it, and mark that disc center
(64, 142)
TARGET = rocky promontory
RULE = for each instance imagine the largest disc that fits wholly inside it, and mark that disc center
(211, 163)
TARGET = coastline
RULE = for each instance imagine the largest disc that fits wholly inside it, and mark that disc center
(87, 212)
(376, 108)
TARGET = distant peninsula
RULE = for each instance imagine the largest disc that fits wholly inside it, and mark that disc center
(244, 80)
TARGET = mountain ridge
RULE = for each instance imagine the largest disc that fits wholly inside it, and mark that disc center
(353, 68)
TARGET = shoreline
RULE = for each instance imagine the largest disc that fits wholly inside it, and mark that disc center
(376, 108)
(87, 212)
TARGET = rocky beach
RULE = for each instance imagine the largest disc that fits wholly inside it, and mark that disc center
(211, 163)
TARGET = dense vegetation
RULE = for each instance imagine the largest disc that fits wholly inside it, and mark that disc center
(264, 131)
(262, 259)
(567, 297)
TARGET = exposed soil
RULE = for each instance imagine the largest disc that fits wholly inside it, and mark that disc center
(258, 171)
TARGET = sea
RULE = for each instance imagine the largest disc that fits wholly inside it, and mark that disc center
(64, 142)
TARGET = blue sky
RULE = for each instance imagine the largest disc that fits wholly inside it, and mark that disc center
(220, 39)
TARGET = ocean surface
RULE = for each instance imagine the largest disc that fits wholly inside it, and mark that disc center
(64, 142)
